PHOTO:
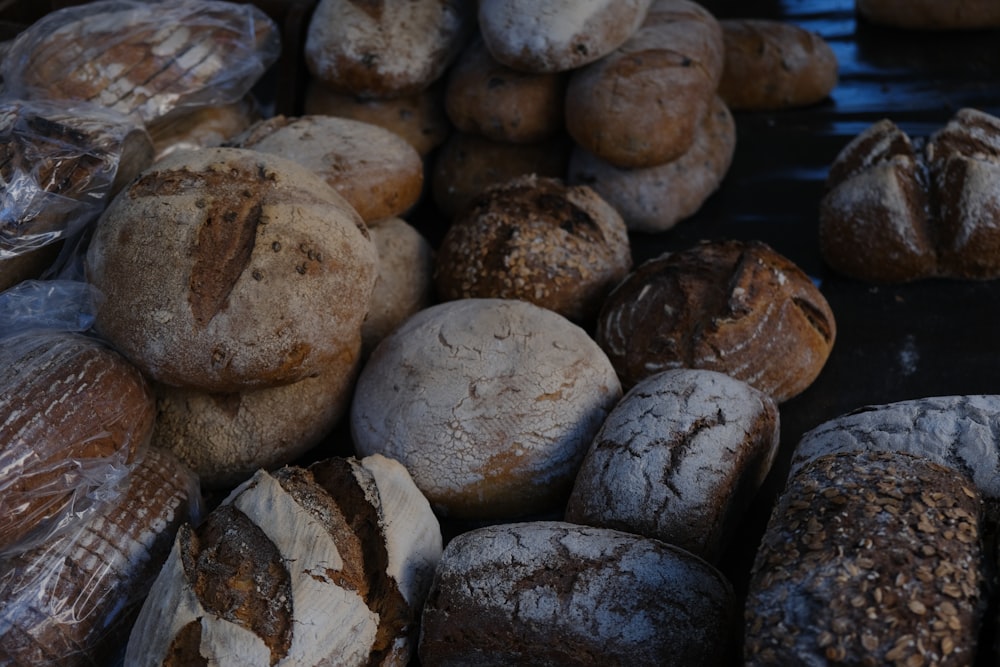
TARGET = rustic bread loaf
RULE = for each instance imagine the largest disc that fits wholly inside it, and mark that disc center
(898, 211)
(557, 36)
(378, 172)
(484, 97)
(554, 593)
(144, 59)
(71, 600)
(773, 64)
(227, 269)
(324, 565)
(678, 459)
(419, 118)
(535, 239)
(75, 412)
(735, 307)
(640, 105)
(468, 163)
(489, 403)
(654, 199)
(387, 48)
(203, 127)
(931, 14)
(869, 558)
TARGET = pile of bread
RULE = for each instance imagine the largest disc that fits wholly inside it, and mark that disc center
(253, 415)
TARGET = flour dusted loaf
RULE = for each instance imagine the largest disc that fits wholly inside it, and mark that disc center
(678, 459)
(100, 569)
(328, 564)
(554, 593)
(557, 36)
(774, 65)
(385, 48)
(204, 127)
(75, 413)
(226, 269)
(736, 307)
(489, 403)
(899, 210)
(536, 239)
(931, 14)
(144, 59)
(654, 199)
(869, 558)
(640, 105)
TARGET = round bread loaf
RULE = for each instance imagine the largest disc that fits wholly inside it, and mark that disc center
(654, 199)
(145, 59)
(489, 403)
(226, 438)
(931, 14)
(554, 593)
(557, 36)
(378, 172)
(405, 282)
(325, 565)
(535, 239)
(894, 211)
(384, 49)
(468, 163)
(640, 106)
(678, 459)
(101, 569)
(735, 307)
(75, 412)
(228, 269)
(868, 558)
(204, 127)
(485, 97)
(419, 118)
(774, 65)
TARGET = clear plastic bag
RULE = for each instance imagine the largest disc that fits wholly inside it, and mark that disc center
(144, 58)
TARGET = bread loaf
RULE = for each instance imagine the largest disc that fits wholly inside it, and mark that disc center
(378, 172)
(553, 593)
(204, 127)
(489, 403)
(557, 36)
(640, 106)
(678, 459)
(735, 307)
(894, 211)
(72, 599)
(74, 415)
(869, 558)
(772, 64)
(324, 565)
(227, 269)
(144, 59)
(931, 14)
(535, 239)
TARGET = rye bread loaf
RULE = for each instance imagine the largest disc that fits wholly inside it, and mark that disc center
(227, 269)
(654, 199)
(485, 97)
(640, 105)
(489, 403)
(772, 64)
(385, 48)
(679, 459)
(378, 172)
(101, 569)
(535, 239)
(554, 593)
(328, 564)
(557, 36)
(899, 210)
(869, 558)
(74, 414)
(737, 307)
(931, 14)
(144, 59)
